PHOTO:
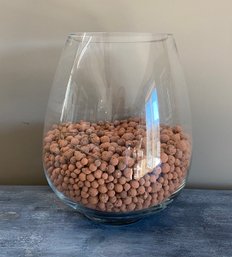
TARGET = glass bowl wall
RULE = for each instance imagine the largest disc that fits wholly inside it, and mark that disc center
(117, 133)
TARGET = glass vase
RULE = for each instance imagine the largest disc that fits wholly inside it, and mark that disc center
(117, 133)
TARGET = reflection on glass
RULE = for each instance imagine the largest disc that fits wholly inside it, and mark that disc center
(153, 133)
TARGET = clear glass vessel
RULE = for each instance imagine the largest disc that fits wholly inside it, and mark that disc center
(117, 133)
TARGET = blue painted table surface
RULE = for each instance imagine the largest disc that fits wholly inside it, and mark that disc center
(34, 222)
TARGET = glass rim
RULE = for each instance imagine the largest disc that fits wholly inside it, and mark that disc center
(119, 37)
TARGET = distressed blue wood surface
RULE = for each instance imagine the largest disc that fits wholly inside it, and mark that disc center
(33, 222)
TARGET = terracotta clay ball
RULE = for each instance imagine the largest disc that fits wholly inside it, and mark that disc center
(103, 165)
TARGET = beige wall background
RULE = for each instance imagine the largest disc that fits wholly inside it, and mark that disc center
(32, 34)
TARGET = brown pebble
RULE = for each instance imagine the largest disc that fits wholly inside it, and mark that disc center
(141, 190)
(181, 145)
(87, 183)
(103, 166)
(73, 175)
(163, 157)
(165, 183)
(105, 146)
(117, 174)
(171, 150)
(105, 176)
(153, 178)
(102, 206)
(118, 188)
(98, 174)
(127, 153)
(103, 197)
(111, 149)
(178, 154)
(141, 181)
(121, 131)
(93, 200)
(84, 201)
(110, 169)
(85, 189)
(171, 160)
(106, 155)
(123, 208)
(101, 181)
(90, 177)
(132, 192)
(82, 177)
(110, 186)
(177, 129)
(111, 193)
(131, 207)
(102, 189)
(95, 139)
(165, 168)
(73, 159)
(97, 163)
(94, 184)
(79, 165)
(164, 138)
(123, 194)
(121, 142)
(130, 162)
(110, 179)
(84, 161)
(113, 199)
(84, 194)
(128, 172)
(75, 187)
(175, 175)
(93, 191)
(71, 167)
(134, 184)
(121, 166)
(78, 155)
(118, 203)
(161, 180)
(177, 162)
(86, 171)
(92, 167)
(147, 183)
(126, 186)
(105, 139)
(114, 161)
(127, 200)
(128, 136)
(80, 184)
(122, 180)
(109, 206)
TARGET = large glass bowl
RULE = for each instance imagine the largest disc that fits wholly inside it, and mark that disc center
(117, 133)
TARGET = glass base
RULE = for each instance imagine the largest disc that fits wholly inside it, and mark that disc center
(114, 218)
(125, 218)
